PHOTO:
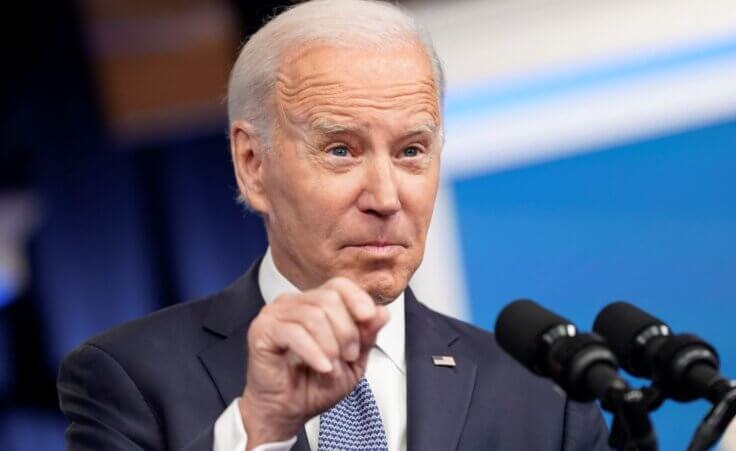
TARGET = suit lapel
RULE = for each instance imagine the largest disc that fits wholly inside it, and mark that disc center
(225, 363)
(438, 397)
(229, 317)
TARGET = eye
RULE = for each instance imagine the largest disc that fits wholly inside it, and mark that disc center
(339, 151)
(411, 151)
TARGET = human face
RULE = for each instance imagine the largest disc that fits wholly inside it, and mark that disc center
(349, 185)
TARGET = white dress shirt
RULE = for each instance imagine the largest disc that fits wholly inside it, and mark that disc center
(386, 374)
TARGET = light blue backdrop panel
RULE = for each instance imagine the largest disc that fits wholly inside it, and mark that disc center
(652, 222)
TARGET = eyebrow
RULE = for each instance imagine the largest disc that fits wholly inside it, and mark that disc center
(425, 128)
(331, 128)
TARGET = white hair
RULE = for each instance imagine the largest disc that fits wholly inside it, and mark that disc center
(337, 22)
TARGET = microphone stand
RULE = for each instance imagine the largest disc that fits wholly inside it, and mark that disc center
(632, 429)
(712, 427)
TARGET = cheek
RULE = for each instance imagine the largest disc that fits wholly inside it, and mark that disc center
(326, 197)
(419, 198)
(312, 201)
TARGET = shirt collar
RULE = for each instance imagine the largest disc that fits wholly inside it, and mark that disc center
(390, 339)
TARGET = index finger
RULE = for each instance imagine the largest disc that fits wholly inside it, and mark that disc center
(360, 304)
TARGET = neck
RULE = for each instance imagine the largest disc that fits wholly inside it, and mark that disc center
(289, 266)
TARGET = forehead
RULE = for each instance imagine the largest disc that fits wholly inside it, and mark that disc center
(325, 82)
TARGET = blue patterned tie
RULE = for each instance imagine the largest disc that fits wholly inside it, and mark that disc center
(354, 424)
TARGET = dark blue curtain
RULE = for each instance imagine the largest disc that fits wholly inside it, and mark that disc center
(122, 232)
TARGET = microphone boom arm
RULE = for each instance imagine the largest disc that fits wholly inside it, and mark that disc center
(714, 424)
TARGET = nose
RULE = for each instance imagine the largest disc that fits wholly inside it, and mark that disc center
(380, 196)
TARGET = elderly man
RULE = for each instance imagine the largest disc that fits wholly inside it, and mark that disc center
(336, 133)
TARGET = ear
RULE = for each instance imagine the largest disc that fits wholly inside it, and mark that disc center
(247, 154)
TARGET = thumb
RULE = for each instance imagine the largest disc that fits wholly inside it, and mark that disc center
(369, 329)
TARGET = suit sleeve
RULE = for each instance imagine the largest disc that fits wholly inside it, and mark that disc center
(585, 428)
(103, 405)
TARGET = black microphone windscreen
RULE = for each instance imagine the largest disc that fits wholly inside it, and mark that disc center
(620, 323)
(519, 327)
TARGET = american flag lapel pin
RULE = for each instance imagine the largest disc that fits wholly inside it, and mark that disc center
(443, 360)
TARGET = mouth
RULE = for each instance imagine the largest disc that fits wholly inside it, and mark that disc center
(378, 249)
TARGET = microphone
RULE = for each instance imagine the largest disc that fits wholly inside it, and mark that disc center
(683, 366)
(550, 345)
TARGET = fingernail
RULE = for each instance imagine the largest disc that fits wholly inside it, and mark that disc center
(325, 366)
(335, 364)
(368, 309)
(352, 352)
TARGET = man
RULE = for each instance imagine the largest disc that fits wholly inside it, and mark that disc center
(336, 133)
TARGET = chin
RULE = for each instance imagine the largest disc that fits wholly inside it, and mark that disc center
(383, 286)
(384, 279)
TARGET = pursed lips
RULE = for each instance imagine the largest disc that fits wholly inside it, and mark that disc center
(379, 248)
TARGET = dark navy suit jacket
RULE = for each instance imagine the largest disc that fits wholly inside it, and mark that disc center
(162, 381)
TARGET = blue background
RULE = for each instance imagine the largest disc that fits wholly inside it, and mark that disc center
(652, 222)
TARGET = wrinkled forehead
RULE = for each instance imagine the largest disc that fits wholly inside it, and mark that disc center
(322, 82)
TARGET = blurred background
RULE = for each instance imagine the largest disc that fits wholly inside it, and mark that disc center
(590, 156)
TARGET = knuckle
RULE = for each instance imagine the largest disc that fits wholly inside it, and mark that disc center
(295, 331)
(348, 336)
(339, 282)
(291, 335)
(314, 316)
(256, 325)
(352, 334)
(281, 299)
(255, 333)
(310, 324)
(331, 351)
(268, 314)
(331, 298)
